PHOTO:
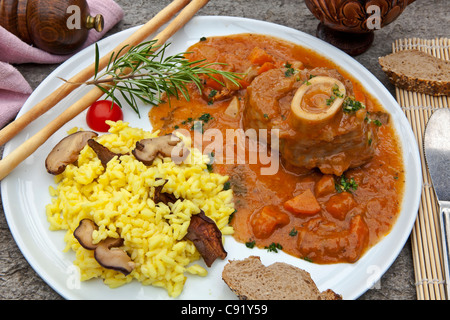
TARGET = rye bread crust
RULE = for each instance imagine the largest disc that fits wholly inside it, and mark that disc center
(418, 71)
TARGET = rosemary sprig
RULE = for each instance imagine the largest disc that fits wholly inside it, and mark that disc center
(145, 74)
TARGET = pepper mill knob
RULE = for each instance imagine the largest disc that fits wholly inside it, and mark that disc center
(96, 22)
(55, 26)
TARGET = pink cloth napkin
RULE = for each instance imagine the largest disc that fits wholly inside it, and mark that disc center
(14, 89)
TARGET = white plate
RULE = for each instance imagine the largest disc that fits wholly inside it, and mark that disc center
(25, 190)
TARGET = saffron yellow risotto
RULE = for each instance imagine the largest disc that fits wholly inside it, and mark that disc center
(118, 199)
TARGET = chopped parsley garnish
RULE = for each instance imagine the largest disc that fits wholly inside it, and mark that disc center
(293, 232)
(290, 71)
(203, 39)
(209, 165)
(205, 117)
(211, 156)
(274, 247)
(266, 116)
(351, 105)
(307, 259)
(231, 216)
(330, 100)
(250, 244)
(376, 122)
(212, 93)
(198, 125)
(337, 92)
(345, 185)
(186, 121)
(227, 185)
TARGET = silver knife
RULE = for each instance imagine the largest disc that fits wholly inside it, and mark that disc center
(437, 155)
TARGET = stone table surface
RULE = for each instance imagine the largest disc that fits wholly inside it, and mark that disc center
(423, 19)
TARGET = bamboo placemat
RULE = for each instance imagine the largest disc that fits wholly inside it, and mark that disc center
(426, 236)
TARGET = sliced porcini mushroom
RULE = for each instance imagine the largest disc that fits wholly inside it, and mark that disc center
(164, 197)
(207, 238)
(168, 145)
(109, 256)
(103, 153)
(83, 233)
(67, 151)
(317, 101)
(105, 252)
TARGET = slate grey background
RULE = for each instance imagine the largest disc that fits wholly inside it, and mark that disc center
(423, 19)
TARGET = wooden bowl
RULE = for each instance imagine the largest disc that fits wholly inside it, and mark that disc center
(350, 24)
(56, 26)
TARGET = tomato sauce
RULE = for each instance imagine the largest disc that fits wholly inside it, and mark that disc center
(347, 223)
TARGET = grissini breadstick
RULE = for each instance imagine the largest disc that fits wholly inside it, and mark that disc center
(12, 160)
(66, 88)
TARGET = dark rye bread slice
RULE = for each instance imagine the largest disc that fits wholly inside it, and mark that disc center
(417, 71)
(249, 279)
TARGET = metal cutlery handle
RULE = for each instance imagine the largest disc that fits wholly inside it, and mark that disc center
(444, 207)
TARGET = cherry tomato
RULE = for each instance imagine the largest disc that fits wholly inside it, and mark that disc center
(99, 112)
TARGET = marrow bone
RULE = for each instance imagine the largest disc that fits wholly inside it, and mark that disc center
(316, 101)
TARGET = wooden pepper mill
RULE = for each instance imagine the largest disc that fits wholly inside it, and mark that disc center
(350, 24)
(56, 26)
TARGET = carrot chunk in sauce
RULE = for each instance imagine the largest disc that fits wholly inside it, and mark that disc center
(265, 222)
(213, 84)
(266, 66)
(325, 185)
(340, 204)
(304, 203)
(259, 56)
